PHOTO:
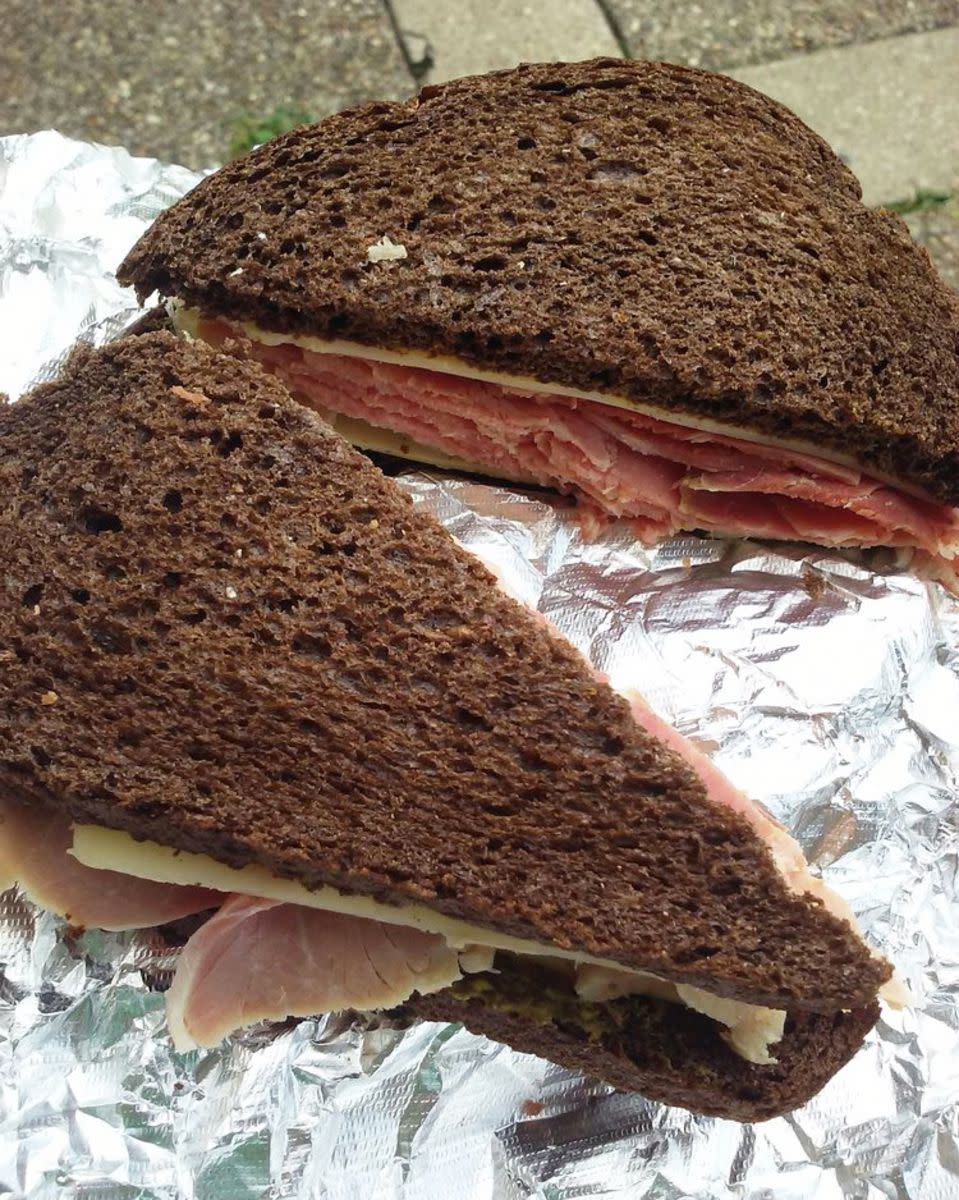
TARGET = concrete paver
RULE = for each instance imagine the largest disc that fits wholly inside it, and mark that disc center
(727, 33)
(938, 231)
(170, 79)
(889, 108)
(473, 36)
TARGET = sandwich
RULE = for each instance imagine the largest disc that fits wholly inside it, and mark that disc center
(244, 678)
(646, 286)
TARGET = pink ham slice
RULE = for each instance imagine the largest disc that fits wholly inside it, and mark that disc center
(258, 960)
(661, 476)
(914, 521)
(34, 845)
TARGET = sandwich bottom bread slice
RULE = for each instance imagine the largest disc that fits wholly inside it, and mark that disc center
(244, 678)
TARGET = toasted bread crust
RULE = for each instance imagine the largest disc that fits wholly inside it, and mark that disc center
(225, 630)
(641, 229)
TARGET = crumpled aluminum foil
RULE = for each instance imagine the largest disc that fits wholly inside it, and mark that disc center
(826, 685)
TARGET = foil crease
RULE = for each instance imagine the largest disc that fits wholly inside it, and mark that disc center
(826, 685)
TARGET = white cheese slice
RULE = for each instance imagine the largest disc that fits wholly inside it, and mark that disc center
(749, 1033)
(113, 850)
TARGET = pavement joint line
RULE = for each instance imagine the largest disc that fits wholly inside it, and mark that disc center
(470, 39)
(724, 34)
(420, 67)
(615, 27)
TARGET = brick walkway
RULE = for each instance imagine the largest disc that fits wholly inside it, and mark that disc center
(175, 80)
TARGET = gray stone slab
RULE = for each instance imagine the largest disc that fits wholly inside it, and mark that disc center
(726, 33)
(889, 108)
(486, 35)
(170, 79)
(938, 231)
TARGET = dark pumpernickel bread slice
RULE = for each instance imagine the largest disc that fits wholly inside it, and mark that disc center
(638, 228)
(673, 1054)
(224, 629)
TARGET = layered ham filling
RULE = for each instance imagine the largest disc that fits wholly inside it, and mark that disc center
(661, 475)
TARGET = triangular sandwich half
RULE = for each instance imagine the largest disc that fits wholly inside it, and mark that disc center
(236, 660)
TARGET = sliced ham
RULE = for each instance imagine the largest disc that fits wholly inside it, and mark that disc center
(739, 514)
(918, 521)
(662, 476)
(34, 852)
(257, 960)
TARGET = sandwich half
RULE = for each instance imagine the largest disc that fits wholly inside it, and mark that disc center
(646, 286)
(243, 677)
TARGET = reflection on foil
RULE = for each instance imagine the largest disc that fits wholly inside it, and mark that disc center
(826, 685)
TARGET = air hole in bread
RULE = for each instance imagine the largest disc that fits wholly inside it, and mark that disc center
(569, 842)
(336, 168)
(111, 638)
(532, 760)
(551, 85)
(715, 836)
(98, 520)
(231, 443)
(173, 501)
(310, 646)
(287, 604)
(32, 596)
(492, 262)
(40, 756)
(726, 887)
(200, 753)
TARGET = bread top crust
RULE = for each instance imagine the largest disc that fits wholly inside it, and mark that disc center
(225, 630)
(641, 229)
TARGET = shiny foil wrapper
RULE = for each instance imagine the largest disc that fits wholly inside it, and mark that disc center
(825, 684)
